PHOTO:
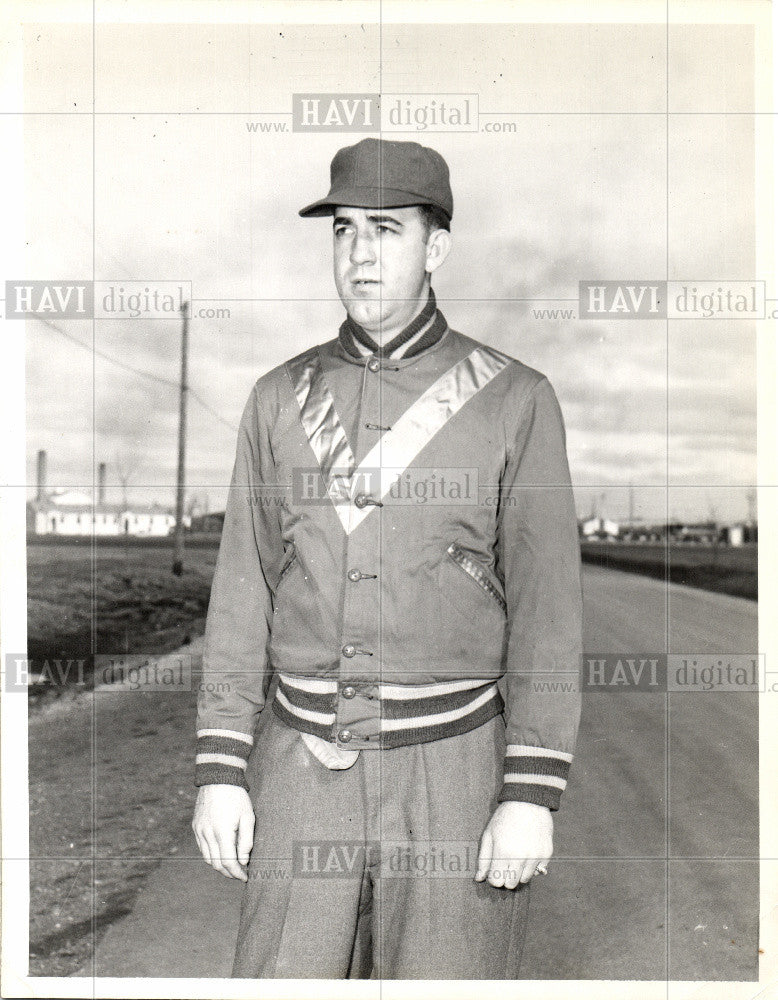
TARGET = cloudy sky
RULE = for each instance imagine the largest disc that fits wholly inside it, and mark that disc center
(593, 180)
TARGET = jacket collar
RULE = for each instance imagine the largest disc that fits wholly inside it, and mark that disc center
(427, 327)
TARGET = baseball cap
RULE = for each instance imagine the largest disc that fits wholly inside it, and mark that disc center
(383, 173)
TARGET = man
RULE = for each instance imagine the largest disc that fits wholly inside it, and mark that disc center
(381, 631)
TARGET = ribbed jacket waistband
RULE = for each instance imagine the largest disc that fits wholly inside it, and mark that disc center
(393, 715)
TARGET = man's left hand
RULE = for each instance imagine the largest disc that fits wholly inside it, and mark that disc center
(517, 838)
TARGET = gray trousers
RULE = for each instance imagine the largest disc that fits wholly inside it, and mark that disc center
(368, 872)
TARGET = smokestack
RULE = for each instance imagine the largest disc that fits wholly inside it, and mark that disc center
(101, 483)
(40, 495)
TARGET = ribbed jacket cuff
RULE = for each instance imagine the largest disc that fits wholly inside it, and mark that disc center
(534, 774)
(221, 757)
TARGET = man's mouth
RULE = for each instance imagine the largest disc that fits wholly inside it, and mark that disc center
(365, 281)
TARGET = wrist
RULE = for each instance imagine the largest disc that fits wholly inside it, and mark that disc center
(513, 806)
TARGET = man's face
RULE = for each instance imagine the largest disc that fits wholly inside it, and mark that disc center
(381, 264)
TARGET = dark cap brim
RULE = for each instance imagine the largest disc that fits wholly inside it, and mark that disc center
(366, 198)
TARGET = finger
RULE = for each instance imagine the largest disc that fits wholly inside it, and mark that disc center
(210, 850)
(484, 856)
(497, 874)
(245, 837)
(513, 872)
(216, 852)
(528, 869)
(229, 856)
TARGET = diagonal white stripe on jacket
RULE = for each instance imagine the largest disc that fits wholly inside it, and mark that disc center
(398, 447)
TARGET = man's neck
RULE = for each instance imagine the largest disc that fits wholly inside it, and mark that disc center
(384, 334)
(427, 323)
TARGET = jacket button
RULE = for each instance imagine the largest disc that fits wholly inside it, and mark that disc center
(354, 575)
(344, 735)
(373, 365)
(349, 691)
(349, 650)
(360, 501)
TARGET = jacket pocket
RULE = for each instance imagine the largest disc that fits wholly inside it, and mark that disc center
(477, 574)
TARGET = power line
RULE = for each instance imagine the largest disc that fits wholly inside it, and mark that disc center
(135, 371)
(195, 395)
(102, 354)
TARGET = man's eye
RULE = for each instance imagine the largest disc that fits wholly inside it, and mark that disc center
(386, 229)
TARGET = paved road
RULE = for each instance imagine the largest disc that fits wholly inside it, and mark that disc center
(655, 874)
(663, 801)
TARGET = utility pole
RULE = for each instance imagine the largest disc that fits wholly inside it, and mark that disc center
(178, 549)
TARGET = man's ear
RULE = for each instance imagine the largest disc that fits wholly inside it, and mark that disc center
(438, 248)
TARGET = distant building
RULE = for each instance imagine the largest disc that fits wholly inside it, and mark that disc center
(210, 523)
(599, 529)
(703, 533)
(738, 534)
(72, 512)
(642, 534)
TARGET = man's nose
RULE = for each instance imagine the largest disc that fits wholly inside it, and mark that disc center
(362, 250)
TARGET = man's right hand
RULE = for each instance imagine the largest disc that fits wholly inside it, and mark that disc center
(223, 824)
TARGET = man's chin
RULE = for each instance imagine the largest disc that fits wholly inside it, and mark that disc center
(366, 314)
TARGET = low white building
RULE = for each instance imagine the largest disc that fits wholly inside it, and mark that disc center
(71, 512)
(599, 528)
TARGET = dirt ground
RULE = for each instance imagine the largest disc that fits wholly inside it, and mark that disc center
(720, 569)
(111, 771)
(111, 795)
(124, 600)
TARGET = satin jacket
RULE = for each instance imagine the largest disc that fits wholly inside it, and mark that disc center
(400, 548)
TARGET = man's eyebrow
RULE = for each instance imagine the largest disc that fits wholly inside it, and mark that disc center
(378, 219)
(384, 218)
